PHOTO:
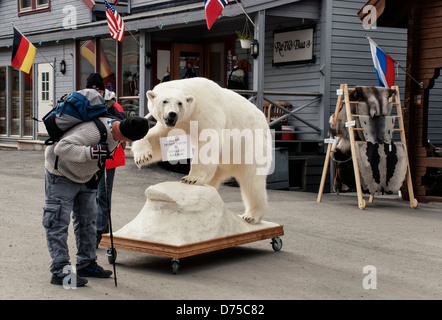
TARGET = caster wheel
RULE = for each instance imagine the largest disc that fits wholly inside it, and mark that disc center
(175, 265)
(276, 243)
(111, 255)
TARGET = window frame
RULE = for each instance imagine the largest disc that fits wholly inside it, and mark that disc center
(33, 9)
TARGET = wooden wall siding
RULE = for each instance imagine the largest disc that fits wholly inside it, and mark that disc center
(430, 40)
(139, 3)
(434, 124)
(39, 21)
(294, 78)
(63, 83)
(351, 60)
(423, 118)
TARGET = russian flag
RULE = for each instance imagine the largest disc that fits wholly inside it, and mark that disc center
(383, 64)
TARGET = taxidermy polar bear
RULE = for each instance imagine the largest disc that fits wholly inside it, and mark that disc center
(229, 135)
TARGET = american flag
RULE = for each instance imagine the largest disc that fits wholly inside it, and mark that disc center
(115, 22)
(214, 9)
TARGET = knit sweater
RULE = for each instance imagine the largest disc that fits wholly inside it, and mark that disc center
(74, 152)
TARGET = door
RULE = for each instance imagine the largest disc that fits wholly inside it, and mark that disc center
(187, 61)
(45, 93)
(216, 64)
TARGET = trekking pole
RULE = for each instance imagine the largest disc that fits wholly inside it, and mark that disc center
(110, 227)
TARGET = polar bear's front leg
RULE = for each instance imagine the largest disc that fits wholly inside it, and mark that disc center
(148, 150)
(142, 151)
(200, 173)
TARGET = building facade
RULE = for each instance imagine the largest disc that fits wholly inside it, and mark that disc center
(167, 40)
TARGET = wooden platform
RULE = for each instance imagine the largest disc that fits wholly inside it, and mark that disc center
(191, 249)
(176, 252)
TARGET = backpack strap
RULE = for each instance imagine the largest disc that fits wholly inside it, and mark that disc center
(103, 138)
(102, 128)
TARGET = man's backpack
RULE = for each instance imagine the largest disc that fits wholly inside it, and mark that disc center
(79, 106)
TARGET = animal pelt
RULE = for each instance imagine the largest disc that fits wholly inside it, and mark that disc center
(375, 97)
(340, 133)
(373, 110)
(382, 167)
(377, 129)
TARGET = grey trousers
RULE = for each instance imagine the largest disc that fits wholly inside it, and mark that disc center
(63, 196)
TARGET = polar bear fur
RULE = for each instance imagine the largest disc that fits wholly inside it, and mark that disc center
(177, 105)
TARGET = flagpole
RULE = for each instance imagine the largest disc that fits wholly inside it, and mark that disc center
(421, 84)
(36, 49)
(135, 38)
(244, 10)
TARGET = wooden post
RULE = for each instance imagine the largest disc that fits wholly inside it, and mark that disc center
(361, 201)
(327, 155)
(413, 201)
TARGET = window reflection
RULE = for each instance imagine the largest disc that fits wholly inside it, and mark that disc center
(3, 100)
(130, 89)
(108, 63)
(27, 127)
(15, 101)
(86, 62)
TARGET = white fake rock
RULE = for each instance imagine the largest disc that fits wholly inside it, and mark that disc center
(176, 214)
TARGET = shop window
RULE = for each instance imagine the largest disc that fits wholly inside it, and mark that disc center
(117, 64)
(434, 118)
(27, 104)
(86, 62)
(108, 63)
(16, 102)
(32, 6)
(3, 105)
(14, 82)
(129, 97)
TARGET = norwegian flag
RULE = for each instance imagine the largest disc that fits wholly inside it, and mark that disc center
(214, 9)
(115, 22)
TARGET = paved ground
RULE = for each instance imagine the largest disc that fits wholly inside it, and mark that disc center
(326, 247)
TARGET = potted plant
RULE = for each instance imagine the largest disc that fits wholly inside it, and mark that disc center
(245, 39)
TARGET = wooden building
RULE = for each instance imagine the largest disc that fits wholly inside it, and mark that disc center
(422, 110)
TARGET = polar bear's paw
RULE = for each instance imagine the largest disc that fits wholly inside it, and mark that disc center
(192, 180)
(143, 159)
(248, 217)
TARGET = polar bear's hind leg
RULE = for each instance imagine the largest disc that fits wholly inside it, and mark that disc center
(254, 196)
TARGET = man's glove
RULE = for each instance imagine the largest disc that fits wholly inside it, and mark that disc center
(100, 152)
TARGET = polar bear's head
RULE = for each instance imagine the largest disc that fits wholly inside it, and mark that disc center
(170, 106)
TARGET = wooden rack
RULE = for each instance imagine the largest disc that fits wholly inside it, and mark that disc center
(343, 99)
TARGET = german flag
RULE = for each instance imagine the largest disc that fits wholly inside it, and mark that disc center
(23, 52)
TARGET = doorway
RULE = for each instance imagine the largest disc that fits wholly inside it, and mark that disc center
(213, 60)
(45, 93)
(187, 61)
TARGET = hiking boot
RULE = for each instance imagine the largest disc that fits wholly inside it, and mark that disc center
(58, 280)
(94, 270)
